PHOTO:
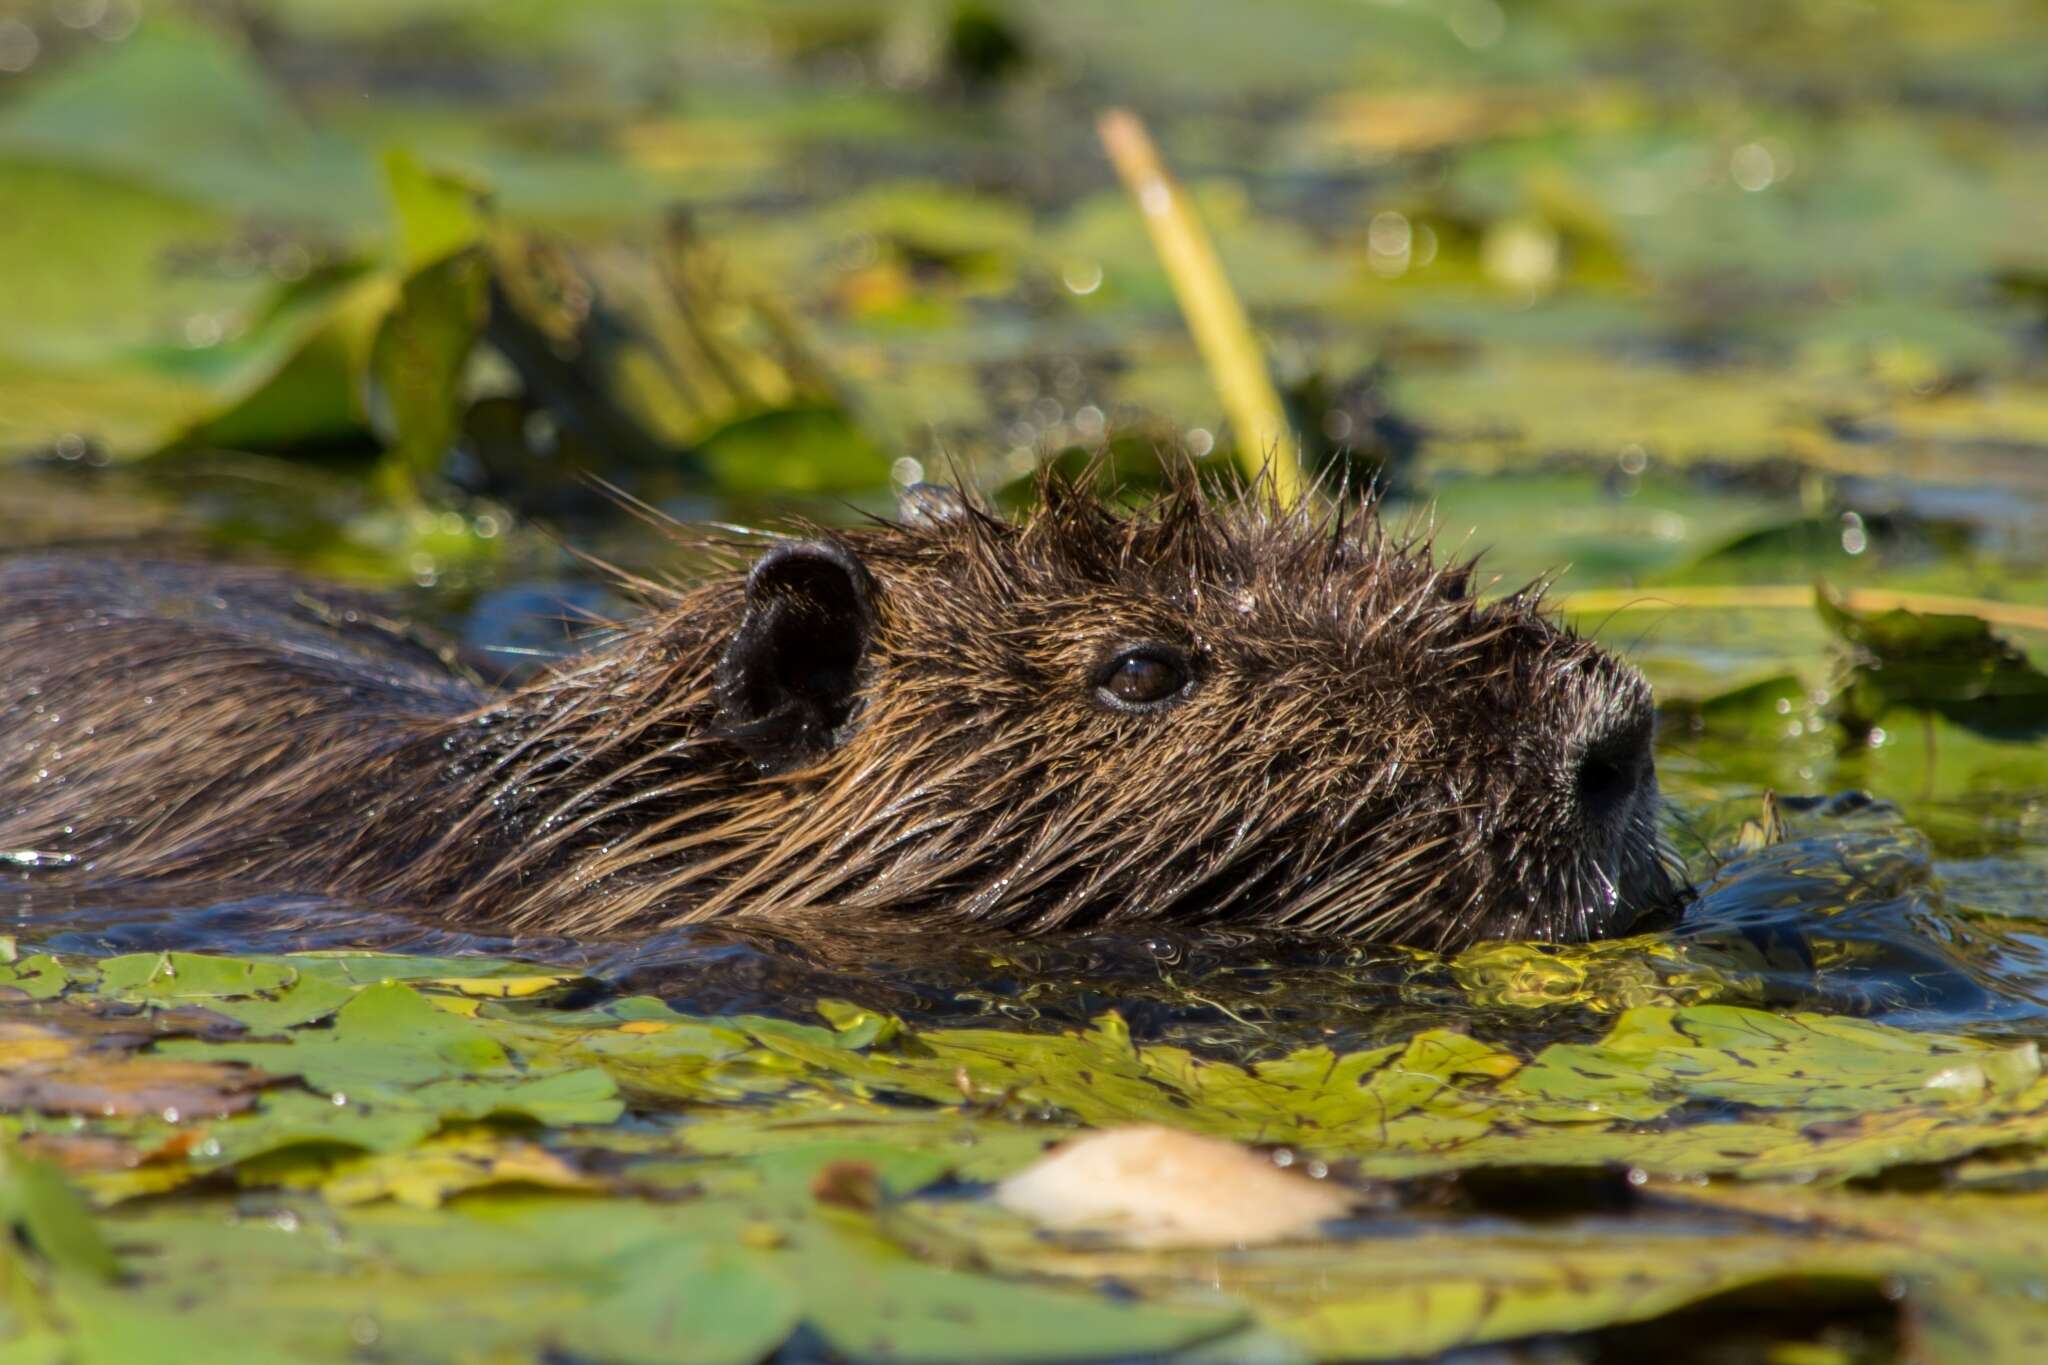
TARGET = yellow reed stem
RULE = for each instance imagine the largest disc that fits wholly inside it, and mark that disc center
(1792, 597)
(1222, 332)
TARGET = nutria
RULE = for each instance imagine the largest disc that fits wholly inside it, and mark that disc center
(1208, 708)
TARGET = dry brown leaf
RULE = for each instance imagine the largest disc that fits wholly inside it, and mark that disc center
(54, 1071)
(1150, 1186)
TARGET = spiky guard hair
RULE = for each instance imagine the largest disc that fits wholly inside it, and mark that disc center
(906, 722)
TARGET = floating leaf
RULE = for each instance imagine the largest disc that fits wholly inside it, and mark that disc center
(180, 976)
(503, 987)
(75, 1081)
(1411, 1286)
(390, 1048)
(453, 1163)
(1655, 1058)
(40, 977)
(448, 1116)
(1954, 666)
(35, 1199)
(684, 1299)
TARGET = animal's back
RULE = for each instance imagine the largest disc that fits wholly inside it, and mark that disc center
(190, 703)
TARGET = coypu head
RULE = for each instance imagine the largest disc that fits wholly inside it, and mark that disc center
(1200, 710)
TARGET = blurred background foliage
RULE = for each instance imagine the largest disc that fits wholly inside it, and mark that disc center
(1648, 296)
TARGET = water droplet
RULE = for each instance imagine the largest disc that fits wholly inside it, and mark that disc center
(79, 13)
(1425, 245)
(291, 262)
(540, 433)
(1081, 277)
(1390, 234)
(1477, 23)
(203, 330)
(1855, 540)
(118, 22)
(1521, 253)
(1753, 167)
(19, 46)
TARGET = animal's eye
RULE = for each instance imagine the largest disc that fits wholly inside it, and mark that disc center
(1142, 678)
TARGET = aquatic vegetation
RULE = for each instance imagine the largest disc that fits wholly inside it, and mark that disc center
(624, 1179)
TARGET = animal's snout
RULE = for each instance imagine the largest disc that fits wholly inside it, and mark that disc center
(1614, 768)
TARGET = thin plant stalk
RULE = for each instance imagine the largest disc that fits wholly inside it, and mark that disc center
(1792, 597)
(1222, 331)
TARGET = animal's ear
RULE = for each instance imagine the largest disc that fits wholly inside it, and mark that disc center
(785, 684)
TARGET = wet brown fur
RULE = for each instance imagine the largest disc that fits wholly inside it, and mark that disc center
(1364, 749)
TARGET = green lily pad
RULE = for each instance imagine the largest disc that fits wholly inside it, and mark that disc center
(38, 977)
(52, 1218)
(189, 976)
(390, 1048)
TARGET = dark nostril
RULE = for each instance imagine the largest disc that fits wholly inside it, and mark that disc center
(1612, 770)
